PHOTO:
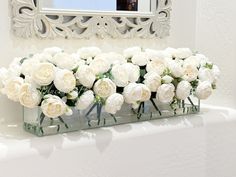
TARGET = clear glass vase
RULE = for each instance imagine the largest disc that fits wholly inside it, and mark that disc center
(95, 116)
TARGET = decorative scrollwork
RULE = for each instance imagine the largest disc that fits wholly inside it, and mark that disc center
(28, 21)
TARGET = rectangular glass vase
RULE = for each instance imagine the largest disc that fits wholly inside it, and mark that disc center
(36, 123)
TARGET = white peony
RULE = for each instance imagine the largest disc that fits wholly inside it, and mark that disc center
(134, 93)
(65, 80)
(85, 100)
(65, 61)
(104, 88)
(167, 79)
(85, 76)
(43, 74)
(28, 66)
(190, 73)
(183, 90)
(114, 103)
(182, 53)
(72, 95)
(100, 65)
(53, 106)
(89, 52)
(130, 52)
(140, 59)
(52, 50)
(203, 60)
(29, 96)
(204, 90)
(157, 65)
(152, 81)
(120, 75)
(166, 93)
(12, 88)
(133, 71)
(176, 69)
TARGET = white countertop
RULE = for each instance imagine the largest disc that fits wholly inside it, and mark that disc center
(202, 145)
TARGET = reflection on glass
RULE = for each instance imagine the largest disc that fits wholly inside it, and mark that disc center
(127, 5)
(98, 5)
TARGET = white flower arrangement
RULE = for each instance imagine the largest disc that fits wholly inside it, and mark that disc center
(56, 81)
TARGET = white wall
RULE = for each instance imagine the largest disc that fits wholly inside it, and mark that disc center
(216, 37)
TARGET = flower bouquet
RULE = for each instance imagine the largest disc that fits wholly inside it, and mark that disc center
(64, 92)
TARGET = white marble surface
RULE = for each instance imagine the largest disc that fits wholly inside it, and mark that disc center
(200, 145)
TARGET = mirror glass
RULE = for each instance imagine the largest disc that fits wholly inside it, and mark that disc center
(99, 5)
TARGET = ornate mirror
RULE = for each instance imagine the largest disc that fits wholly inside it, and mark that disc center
(84, 19)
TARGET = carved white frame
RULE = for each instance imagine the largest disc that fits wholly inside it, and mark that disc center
(28, 20)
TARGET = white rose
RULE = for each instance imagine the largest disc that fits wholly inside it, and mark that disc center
(100, 65)
(29, 96)
(114, 103)
(120, 75)
(152, 81)
(53, 106)
(192, 60)
(216, 73)
(206, 74)
(85, 100)
(53, 50)
(130, 52)
(190, 73)
(183, 90)
(3, 77)
(12, 88)
(204, 90)
(140, 59)
(166, 93)
(43, 74)
(104, 88)
(176, 69)
(134, 93)
(28, 66)
(167, 79)
(15, 67)
(113, 58)
(65, 61)
(203, 60)
(182, 53)
(85, 76)
(65, 80)
(89, 52)
(157, 65)
(42, 57)
(171, 51)
(157, 54)
(133, 72)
